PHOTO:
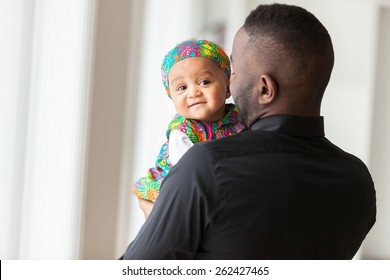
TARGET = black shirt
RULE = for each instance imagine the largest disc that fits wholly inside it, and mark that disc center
(278, 191)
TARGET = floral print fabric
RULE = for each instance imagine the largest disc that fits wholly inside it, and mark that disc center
(148, 187)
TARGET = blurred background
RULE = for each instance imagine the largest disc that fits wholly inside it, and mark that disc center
(83, 111)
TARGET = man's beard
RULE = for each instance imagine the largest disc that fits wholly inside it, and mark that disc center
(247, 109)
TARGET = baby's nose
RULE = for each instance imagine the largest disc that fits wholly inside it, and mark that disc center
(195, 92)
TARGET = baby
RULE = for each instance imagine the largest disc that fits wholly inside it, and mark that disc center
(196, 75)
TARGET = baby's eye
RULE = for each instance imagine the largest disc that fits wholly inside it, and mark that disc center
(204, 82)
(181, 88)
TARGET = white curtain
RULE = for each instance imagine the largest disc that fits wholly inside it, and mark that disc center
(45, 57)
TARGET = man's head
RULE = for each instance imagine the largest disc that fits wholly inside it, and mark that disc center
(282, 60)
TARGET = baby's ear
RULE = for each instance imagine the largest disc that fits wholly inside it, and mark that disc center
(228, 94)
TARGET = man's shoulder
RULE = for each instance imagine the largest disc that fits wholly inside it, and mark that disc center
(251, 142)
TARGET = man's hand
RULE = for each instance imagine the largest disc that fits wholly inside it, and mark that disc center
(146, 206)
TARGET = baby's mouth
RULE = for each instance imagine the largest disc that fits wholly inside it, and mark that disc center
(197, 103)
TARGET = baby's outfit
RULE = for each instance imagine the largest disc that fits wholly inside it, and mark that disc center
(182, 133)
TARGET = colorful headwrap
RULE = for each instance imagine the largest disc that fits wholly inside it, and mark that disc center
(194, 48)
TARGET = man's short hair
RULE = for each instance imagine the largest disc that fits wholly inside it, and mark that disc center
(294, 35)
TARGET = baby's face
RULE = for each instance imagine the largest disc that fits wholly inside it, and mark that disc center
(198, 88)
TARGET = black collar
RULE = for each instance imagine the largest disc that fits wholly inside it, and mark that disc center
(292, 125)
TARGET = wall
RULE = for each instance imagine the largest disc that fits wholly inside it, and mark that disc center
(377, 245)
(106, 130)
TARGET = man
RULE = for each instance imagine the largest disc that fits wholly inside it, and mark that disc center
(280, 190)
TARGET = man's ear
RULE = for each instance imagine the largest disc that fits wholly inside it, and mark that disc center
(267, 89)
